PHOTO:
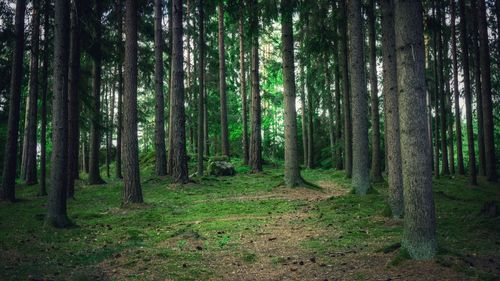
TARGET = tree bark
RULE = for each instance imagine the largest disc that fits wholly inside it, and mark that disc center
(57, 214)
(339, 165)
(45, 85)
(305, 144)
(160, 152)
(390, 78)
(419, 235)
(132, 192)
(360, 156)
(222, 84)
(201, 93)
(243, 87)
(442, 95)
(310, 119)
(119, 127)
(468, 106)
(256, 138)
(344, 66)
(16, 79)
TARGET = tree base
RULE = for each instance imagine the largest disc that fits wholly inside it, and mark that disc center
(58, 221)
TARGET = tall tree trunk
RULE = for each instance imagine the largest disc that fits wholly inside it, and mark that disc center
(292, 172)
(107, 94)
(442, 95)
(201, 93)
(330, 108)
(344, 66)
(178, 131)
(95, 131)
(132, 192)
(160, 152)
(16, 79)
(360, 157)
(305, 144)
(458, 122)
(111, 124)
(45, 85)
(376, 166)
(451, 135)
(243, 86)
(119, 127)
(310, 119)
(394, 175)
(73, 98)
(489, 138)
(222, 84)
(339, 165)
(256, 137)
(419, 236)
(57, 214)
(436, 95)
(468, 107)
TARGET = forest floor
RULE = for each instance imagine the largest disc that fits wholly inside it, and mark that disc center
(246, 227)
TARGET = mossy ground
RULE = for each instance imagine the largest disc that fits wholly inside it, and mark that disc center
(245, 227)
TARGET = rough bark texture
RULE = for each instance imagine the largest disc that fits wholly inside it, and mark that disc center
(45, 85)
(344, 66)
(256, 138)
(95, 131)
(178, 120)
(201, 93)
(243, 87)
(132, 192)
(292, 172)
(73, 99)
(458, 123)
(419, 236)
(119, 127)
(222, 84)
(442, 95)
(360, 156)
(391, 106)
(467, 93)
(10, 160)
(376, 166)
(57, 214)
(160, 152)
(489, 138)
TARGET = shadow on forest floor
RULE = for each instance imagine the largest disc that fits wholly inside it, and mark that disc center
(246, 227)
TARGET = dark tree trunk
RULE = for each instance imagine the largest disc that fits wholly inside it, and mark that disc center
(243, 87)
(178, 120)
(442, 95)
(160, 152)
(201, 93)
(344, 66)
(256, 138)
(419, 236)
(305, 144)
(489, 138)
(436, 95)
(310, 119)
(360, 156)
(132, 192)
(45, 85)
(222, 83)
(376, 171)
(119, 127)
(10, 160)
(57, 214)
(468, 106)
(95, 131)
(391, 106)
(73, 98)
(339, 165)
(330, 108)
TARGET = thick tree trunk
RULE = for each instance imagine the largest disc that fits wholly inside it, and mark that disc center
(45, 85)
(442, 95)
(178, 120)
(419, 236)
(467, 93)
(73, 98)
(95, 131)
(391, 106)
(57, 214)
(256, 137)
(458, 122)
(376, 167)
(292, 172)
(10, 160)
(201, 93)
(132, 192)
(160, 152)
(360, 156)
(489, 138)
(344, 66)
(222, 84)
(243, 87)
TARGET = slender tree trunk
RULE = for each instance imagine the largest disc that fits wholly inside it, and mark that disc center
(107, 94)
(160, 152)
(486, 94)
(468, 107)
(201, 93)
(419, 236)
(256, 137)
(57, 214)
(95, 132)
(330, 108)
(310, 120)
(451, 135)
(222, 83)
(73, 98)
(442, 95)
(292, 172)
(132, 192)
(394, 174)
(376, 171)
(178, 124)
(360, 157)
(10, 160)
(458, 123)
(344, 66)
(243, 87)
(337, 97)
(119, 127)
(436, 94)
(45, 85)
(305, 144)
